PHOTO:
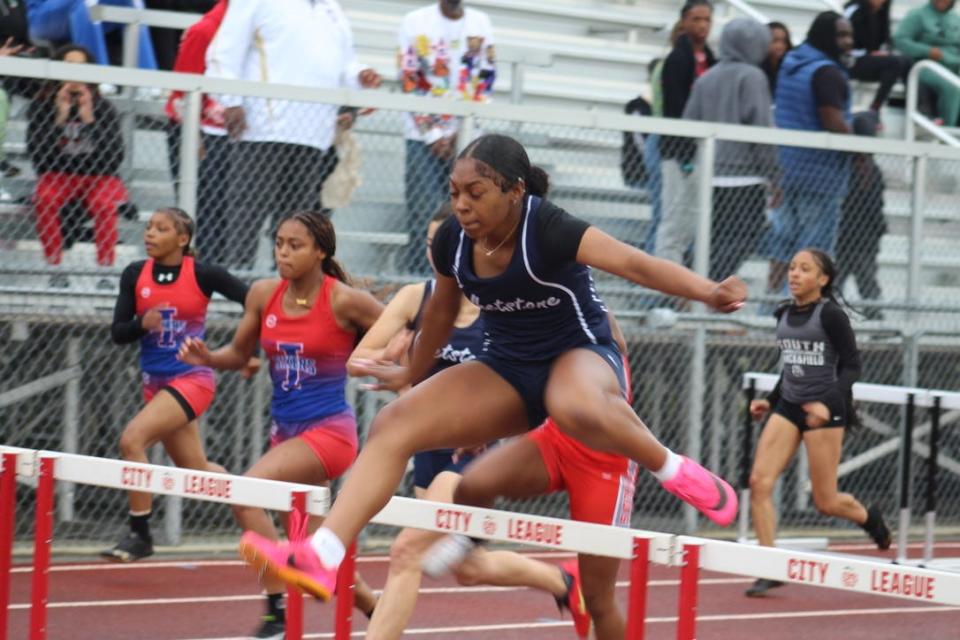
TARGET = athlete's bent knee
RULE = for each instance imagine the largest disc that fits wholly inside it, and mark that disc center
(469, 573)
(761, 486)
(131, 446)
(405, 553)
(826, 505)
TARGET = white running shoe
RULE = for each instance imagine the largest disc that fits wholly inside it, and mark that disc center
(446, 554)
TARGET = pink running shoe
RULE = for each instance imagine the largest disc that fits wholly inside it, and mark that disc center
(295, 563)
(711, 495)
(573, 601)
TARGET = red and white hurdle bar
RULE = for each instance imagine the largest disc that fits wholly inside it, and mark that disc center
(640, 547)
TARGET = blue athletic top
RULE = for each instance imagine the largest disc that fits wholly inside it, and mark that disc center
(544, 303)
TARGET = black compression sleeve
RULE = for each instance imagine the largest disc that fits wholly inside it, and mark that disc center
(213, 279)
(126, 326)
(836, 324)
(559, 234)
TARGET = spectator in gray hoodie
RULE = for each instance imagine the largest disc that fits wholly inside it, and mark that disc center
(735, 91)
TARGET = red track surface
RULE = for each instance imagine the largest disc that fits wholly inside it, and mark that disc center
(218, 599)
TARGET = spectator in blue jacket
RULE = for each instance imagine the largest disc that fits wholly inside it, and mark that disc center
(813, 94)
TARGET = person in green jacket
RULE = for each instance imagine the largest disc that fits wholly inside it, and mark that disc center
(932, 32)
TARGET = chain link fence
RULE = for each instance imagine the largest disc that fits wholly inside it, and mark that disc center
(381, 189)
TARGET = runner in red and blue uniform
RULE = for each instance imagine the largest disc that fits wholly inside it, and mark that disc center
(307, 322)
(163, 301)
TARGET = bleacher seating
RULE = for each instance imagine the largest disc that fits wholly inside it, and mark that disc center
(576, 54)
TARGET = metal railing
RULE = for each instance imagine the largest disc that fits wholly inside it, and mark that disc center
(914, 117)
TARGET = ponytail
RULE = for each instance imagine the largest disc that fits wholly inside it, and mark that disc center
(334, 269)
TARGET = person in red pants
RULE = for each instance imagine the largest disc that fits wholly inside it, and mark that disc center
(75, 146)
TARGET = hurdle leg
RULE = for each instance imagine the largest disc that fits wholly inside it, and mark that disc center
(43, 538)
(637, 609)
(294, 613)
(345, 588)
(8, 506)
(689, 577)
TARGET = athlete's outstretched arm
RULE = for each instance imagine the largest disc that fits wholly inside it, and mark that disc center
(604, 252)
(397, 314)
(439, 316)
(236, 354)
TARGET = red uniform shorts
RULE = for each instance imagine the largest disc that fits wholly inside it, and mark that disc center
(333, 439)
(194, 388)
(600, 485)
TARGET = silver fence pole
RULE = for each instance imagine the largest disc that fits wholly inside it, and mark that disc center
(71, 430)
(190, 153)
(698, 355)
(468, 128)
(917, 204)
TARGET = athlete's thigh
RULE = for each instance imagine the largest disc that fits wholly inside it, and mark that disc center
(777, 445)
(580, 378)
(463, 406)
(824, 447)
(514, 469)
(290, 461)
(185, 447)
(157, 419)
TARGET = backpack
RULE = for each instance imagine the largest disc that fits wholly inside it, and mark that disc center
(632, 168)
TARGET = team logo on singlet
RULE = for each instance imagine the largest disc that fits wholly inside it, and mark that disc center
(290, 361)
(170, 327)
(809, 353)
(517, 304)
(145, 292)
(271, 321)
(449, 354)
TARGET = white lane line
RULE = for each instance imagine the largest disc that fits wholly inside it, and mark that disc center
(669, 619)
(82, 604)
(191, 564)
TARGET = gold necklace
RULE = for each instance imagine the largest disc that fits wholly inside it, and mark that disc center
(490, 252)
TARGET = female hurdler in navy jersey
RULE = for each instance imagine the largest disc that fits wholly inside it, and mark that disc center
(307, 322)
(549, 348)
(436, 473)
(811, 403)
(162, 301)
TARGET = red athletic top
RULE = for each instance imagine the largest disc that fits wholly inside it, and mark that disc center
(308, 358)
(183, 306)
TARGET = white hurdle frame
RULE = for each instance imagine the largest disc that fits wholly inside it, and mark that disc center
(640, 547)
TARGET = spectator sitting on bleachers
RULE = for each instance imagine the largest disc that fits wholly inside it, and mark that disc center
(57, 22)
(862, 224)
(813, 94)
(75, 146)
(689, 59)
(780, 44)
(445, 51)
(734, 91)
(873, 60)
(932, 32)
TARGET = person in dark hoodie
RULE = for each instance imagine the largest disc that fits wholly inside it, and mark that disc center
(873, 59)
(75, 146)
(863, 224)
(813, 94)
(734, 91)
(688, 60)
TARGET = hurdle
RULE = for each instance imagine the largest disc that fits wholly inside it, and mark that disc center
(912, 398)
(691, 555)
(639, 547)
